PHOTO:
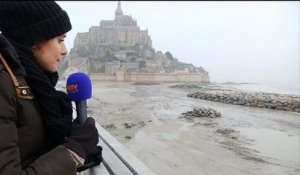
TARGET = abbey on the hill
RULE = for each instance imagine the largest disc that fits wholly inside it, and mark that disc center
(120, 45)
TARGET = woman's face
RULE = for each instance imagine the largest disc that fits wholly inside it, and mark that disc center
(49, 53)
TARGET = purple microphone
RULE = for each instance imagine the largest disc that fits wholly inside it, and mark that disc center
(79, 89)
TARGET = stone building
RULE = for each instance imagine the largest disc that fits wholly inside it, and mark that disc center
(120, 44)
(122, 31)
(112, 67)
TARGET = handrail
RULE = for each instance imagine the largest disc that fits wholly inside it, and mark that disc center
(117, 159)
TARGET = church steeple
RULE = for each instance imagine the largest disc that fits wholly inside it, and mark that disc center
(119, 11)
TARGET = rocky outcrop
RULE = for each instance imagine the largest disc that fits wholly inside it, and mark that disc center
(252, 99)
(201, 112)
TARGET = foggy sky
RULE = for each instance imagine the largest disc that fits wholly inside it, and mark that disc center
(247, 41)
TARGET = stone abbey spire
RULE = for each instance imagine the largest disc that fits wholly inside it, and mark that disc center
(119, 11)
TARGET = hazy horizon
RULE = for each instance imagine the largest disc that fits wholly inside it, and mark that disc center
(245, 42)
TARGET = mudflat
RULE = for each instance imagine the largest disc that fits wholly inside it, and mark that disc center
(148, 120)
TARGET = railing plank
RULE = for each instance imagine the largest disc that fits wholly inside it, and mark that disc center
(111, 162)
(134, 164)
(117, 160)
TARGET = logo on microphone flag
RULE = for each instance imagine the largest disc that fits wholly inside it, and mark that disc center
(72, 88)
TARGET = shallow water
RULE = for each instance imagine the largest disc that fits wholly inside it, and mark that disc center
(269, 88)
(244, 140)
(284, 146)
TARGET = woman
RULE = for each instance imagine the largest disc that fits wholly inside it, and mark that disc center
(37, 134)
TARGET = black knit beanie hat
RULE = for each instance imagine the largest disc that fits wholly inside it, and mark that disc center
(31, 22)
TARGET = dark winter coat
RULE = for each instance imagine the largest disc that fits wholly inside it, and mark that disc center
(24, 147)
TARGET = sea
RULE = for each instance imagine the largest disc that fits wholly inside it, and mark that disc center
(288, 89)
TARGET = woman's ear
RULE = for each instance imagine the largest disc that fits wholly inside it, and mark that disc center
(34, 48)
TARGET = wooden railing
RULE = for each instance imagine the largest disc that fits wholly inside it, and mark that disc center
(117, 159)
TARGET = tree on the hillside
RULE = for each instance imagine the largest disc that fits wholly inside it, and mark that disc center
(142, 63)
(169, 55)
(102, 69)
(82, 52)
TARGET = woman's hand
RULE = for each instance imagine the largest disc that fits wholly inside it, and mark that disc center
(84, 137)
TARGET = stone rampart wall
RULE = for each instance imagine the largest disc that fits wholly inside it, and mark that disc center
(102, 77)
(151, 77)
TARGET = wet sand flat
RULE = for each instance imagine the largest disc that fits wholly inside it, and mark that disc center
(245, 140)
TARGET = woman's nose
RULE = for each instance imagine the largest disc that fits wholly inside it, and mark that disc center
(64, 50)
